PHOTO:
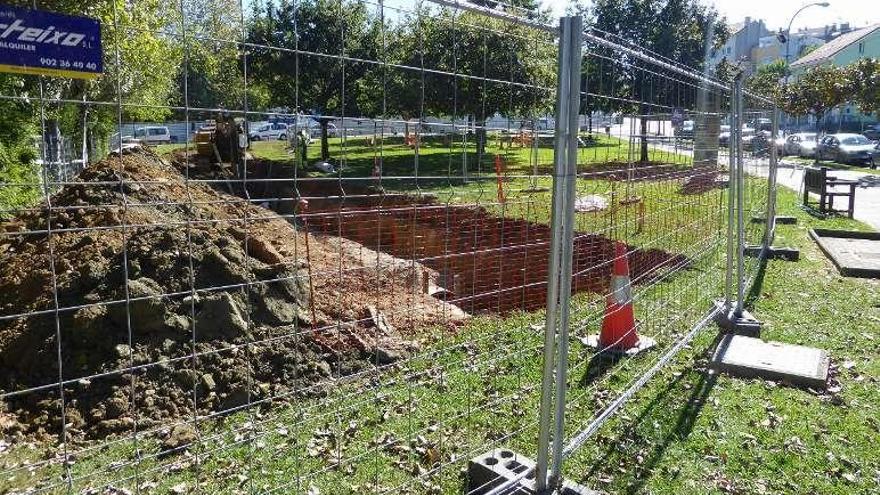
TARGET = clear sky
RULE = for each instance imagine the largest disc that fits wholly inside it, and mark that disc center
(776, 13)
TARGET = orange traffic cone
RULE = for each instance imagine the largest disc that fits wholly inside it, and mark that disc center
(619, 326)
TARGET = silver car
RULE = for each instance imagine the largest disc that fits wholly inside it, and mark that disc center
(802, 144)
(850, 148)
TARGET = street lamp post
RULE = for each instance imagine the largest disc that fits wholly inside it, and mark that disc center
(786, 38)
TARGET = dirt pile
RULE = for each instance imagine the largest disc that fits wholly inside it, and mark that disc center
(704, 182)
(170, 298)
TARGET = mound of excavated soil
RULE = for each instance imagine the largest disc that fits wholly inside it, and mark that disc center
(170, 298)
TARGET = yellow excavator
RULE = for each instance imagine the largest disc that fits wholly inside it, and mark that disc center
(223, 140)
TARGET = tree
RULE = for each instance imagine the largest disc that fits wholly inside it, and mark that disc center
(298, 57)
(677, 29)
(212, 75)
(17, 153)
(475, 67)
(815, 92)
(863, 77)
(767, 80)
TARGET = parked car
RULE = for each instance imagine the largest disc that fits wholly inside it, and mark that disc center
(724, 136)
(848, 148)
(872, 133)
(118, 142)
(268, 131)
(765, 125)
(748, 136)
(779, 143)
(685, 130)
(801, 144)
(153, 135)
(748, 133)
(758, 144)
(315, 129)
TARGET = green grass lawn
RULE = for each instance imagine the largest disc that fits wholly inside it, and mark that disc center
(687, 431)
(168, 148)
(669, 220)
(437, 158)
(693, 432)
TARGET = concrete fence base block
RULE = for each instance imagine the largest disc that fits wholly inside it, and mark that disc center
(492, 469)
(774, 253)
(753, 358)
(744, 324)
(644, 344)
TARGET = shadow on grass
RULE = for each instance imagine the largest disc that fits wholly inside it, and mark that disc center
(660, 410)
(755, 290)
(599, 365)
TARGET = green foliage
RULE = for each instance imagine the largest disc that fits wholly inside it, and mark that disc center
(212, 72)
(139, 68)
(816, 91)
(316, 77)
(18, 177)
(677, 29)
(767, 80)
(470, 45)
(864, 80)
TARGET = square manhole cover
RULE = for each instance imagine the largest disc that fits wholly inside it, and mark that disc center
(753, 358)
(856, 254)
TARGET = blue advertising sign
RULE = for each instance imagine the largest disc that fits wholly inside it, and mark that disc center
(38, 42)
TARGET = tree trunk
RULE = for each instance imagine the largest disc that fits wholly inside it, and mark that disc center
(325, 144)
(303, 152)
(643, 130)
(481, 139)
(85, 137)
(818, 135)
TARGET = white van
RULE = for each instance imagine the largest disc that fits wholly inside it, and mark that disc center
(153, 135)
(268, 130)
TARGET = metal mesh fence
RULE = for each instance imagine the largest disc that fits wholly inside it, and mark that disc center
(761, 147)
(666, 215)
(307, 245)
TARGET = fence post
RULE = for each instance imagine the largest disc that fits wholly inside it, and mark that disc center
(557, 233)
(574, 95)
(770, 232)
(731, 198)
(740, 199)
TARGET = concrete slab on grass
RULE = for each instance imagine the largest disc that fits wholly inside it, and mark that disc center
(856, 254)
(753, 358)
(492, 469)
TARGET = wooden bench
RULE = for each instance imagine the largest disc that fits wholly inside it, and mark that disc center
(817, 181)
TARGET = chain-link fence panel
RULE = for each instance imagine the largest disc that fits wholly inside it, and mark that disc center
(761, 147)
(652, 199)
(308, 247)
(303, 254)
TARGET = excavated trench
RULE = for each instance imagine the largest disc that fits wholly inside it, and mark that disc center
(486, 263)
